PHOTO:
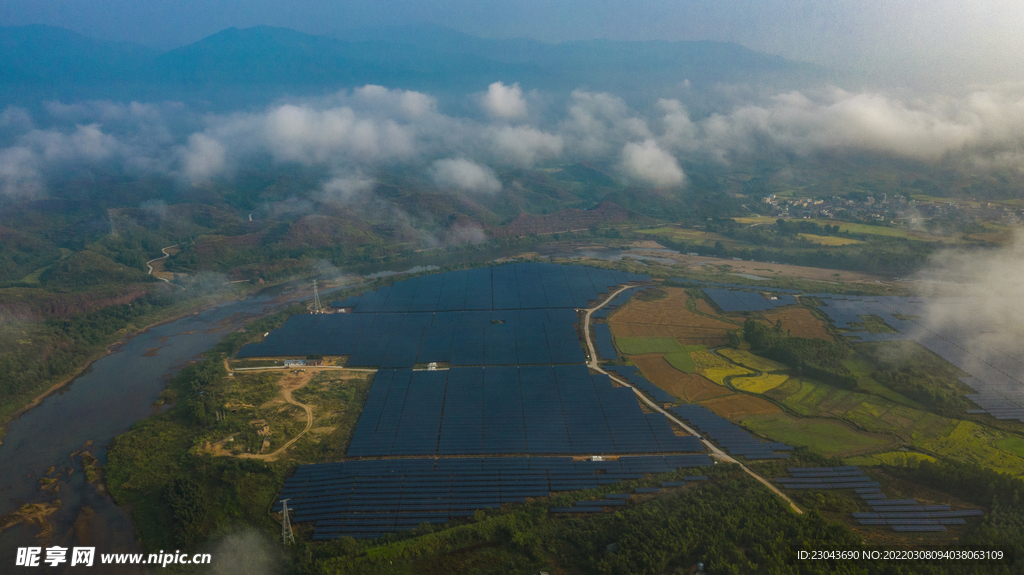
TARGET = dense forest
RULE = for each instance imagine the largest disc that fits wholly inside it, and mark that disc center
(811, 357)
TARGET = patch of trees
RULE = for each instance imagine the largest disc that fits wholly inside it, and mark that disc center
(812, 357)
(907, 368)
(1000, 494)
(730, 524)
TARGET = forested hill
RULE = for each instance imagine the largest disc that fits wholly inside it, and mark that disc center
(258, 64)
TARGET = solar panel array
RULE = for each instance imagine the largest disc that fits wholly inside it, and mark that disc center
(734, 286)
(732, 300)
(514, 337)
(908, 514)
(729, 436)
(528, 409)
(603, 340)
(843, 477)
(371, 498)
(515, 286)
(632, 374)
(996, 376)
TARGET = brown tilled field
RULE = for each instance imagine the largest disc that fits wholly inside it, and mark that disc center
(801, 322)
(738, 406)
(669, 318)
(704, 307)
(689, 387)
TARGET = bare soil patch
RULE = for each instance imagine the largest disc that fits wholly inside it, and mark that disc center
(800, 322)
(689, 387)
(736, 407)
(669, 317)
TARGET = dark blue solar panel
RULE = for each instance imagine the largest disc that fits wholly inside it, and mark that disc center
(603, 341)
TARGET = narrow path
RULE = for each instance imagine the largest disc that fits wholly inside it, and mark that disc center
(149, 264)
(715, 451)
(286, 394)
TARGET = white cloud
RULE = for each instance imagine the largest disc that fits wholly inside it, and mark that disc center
(464, 175)
(504, 102)
(650, 164)
(19, 172)
(598, 123)
(203, 158)
(345, 189)
(525, 146)
(985, 124)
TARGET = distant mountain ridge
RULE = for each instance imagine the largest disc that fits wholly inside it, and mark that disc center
(274, 61)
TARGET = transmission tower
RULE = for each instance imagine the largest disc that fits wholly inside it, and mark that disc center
(286, 525)
(317, 307)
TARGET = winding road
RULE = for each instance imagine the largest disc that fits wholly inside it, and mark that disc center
(715, 451)
(149, 264)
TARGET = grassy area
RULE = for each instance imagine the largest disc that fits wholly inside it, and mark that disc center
(756, 220)
(873, 324)
(747, 359)
(1013, 444)
(971, 443)
(830, 240)
(761, 383)
(683, 360)
(826, 437)
(895, 458)
(693, 237)
(642, 345)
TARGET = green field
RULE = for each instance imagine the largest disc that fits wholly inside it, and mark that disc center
(676, 353)
(895, 458)
(825, 437)
(1013, 444)
(682, 360)
(642, 345)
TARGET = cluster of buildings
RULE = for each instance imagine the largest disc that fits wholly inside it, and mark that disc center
(895, 209)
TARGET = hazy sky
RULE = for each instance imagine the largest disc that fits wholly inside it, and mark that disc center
(980, 40)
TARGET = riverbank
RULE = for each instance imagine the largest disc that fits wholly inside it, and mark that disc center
(34, 397)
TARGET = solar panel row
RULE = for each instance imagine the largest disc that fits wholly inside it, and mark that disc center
(728, 435)
(529, 409)
(515, 286)
(995, 376)
(370, 498)
(402, 340)
(686, 281)
(603, 340)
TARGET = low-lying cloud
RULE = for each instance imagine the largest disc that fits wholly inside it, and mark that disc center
(650, 164)
(505, 102)
(463, 175)
(352, 135)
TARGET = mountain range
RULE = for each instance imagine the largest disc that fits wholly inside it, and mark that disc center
(251, 65)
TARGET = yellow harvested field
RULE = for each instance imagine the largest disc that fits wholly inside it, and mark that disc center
(716, 368)
(737, 406)
(669, 317)
(830, 240)
(800, 322)
(747, 359)
(756, 220)
(760, 384)
(689, 387)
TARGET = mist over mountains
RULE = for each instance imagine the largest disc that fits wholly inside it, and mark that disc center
(471, 121)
